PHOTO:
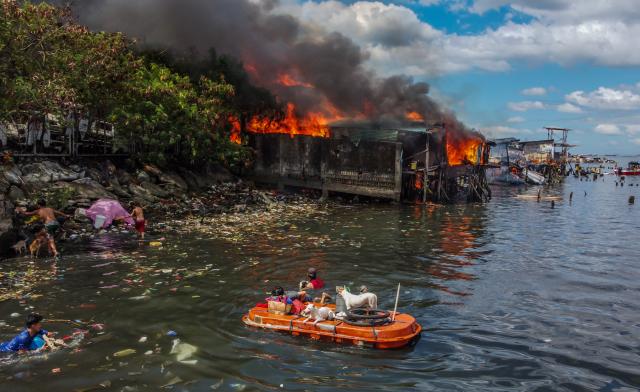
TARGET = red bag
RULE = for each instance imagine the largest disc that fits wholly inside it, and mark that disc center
(297, 306)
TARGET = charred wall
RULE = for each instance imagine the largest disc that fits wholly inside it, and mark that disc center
(369, 168)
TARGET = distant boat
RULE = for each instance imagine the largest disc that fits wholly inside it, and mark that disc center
(534, 177)
(633, 169)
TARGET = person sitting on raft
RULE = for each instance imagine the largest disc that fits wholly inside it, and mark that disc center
(278, 295)
(25, 340)
(294, 298)
(314, 283)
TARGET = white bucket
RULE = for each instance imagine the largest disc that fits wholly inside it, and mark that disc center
(99, 222)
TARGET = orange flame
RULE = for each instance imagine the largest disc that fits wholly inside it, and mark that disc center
(235, 130)
(415, 116)
(463, 149)
(250, 68)
(314, 124)
(287, 80)
(418, 183)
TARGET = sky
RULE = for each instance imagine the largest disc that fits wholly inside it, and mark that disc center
(507, 67)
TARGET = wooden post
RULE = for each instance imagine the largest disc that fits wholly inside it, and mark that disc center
(425, 179)
(395, 308)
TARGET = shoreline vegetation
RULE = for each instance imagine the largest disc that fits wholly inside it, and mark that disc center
(170, 111)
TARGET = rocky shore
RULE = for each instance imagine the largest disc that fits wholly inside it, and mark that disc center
(166, 195)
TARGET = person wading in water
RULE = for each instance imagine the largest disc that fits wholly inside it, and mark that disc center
(51, 225)
(138, 216)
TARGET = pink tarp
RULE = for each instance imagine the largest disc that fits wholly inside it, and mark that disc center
(111, 210)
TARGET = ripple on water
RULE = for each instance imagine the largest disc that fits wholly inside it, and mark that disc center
(512, 295)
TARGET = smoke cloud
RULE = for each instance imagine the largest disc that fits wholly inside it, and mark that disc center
(319, 71)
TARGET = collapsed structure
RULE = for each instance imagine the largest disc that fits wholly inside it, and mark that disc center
(537, 162)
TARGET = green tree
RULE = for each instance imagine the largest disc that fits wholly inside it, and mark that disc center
(51, 64)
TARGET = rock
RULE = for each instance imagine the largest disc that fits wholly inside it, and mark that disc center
(46, 172)
(154, 189)
(124, 178)
(118, 189)
(15, 194)
(87, 188)
(173, 179)
(8, 233)
(216, 173)
(141, 194)
(6, 226)
(191, 179)
(96, 175)
(4, 185)
(13, 175)
(143, 176)
(152, 170)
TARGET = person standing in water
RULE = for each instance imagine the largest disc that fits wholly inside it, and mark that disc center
(51, 225)
(138, 217)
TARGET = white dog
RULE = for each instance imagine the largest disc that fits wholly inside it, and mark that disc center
(364, 300)
(318, 314)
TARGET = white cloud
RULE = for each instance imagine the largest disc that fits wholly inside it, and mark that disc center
(503, 131)
(636, 141)
(399, 42)
(568, 108)
(566, 11)
(523, 106)
(606, 98)
(534, 91)
(632, 129)
(608, 129)
(516, 119)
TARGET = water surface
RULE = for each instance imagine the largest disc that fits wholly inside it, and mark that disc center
(512, 295)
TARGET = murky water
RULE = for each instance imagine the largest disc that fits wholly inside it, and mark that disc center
(512, 295)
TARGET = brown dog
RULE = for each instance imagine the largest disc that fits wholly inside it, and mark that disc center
(38, 242)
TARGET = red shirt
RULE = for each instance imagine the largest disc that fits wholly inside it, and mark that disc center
(317, 283)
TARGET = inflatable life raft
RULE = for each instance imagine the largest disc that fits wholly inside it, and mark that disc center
(400, 332)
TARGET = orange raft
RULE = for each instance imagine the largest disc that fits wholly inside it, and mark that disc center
(399, 333)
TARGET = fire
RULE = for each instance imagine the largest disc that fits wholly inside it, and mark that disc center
(415, 116)
(235, 130)
(250, 68)
(287, 80)
(463, 149)
(313, 124)
(418, 183)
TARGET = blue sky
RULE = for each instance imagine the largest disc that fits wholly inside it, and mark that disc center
(510, 67)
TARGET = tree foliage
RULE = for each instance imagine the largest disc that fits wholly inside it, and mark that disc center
(51, 64)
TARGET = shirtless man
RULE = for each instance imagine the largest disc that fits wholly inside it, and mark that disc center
(138, 216)
(51, 225)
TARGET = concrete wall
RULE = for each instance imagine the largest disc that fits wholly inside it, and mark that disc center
(369, 168)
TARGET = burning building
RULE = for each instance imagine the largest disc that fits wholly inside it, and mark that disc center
(333, 100)
(395, 164)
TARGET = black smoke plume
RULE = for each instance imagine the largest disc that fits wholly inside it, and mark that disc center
(326, 71)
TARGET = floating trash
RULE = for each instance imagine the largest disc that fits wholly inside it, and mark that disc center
(124, 353)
